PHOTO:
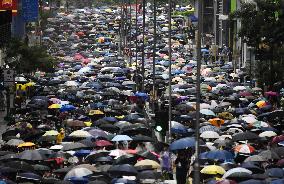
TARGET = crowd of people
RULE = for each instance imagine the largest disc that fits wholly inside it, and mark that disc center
(88, 121)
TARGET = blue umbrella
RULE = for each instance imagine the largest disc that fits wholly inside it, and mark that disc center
(253, 181)
(110, 119)
(209, 128)
(221, 155)
(142, 95)
(97, 105)
(122, 180)
(193, 18)
(79, 180)
(178, 128)
(29, 176)
(275, 172)
(184, 143)
(82, 153)
(280, 181)
(67, 107)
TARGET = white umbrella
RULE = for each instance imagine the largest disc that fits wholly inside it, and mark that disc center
(237, 172)
(267, 134)
(249, 119)
(78, 173)
(239, 88)
(210, 135)
(80, 133)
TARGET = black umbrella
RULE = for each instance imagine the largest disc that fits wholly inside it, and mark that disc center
(148, 155)
(125, 159)
(73, 146)
(245, 136)
(32, 155)
(49, 180)
(252, 166)
(29, 176)
(148, 174)
(275, 172)
(39, 167)
(269, 155)
(20, 165)
(123, 170)
(142, 138)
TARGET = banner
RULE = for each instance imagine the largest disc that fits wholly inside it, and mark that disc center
(30, 10)
(233, 5)
(9, 5)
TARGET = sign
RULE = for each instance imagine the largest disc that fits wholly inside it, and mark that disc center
(30, 10)
(9, 79)
(9, 5)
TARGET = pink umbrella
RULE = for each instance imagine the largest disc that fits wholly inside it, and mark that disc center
(78, 57)
(271, 93)
(55, 100)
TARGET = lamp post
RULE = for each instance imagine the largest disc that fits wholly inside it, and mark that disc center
(143, 45)
(136, 45)
(197, 122)
(170, 67)
(154, 55)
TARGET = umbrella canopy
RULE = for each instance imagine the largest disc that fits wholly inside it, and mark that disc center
(153, 164)
(77, 172)
(238, 172)
(123, 170)
(213, 169)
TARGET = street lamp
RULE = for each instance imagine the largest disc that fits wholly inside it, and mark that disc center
(154, 54)
(197, 122)
(143, 46)
(170, 67)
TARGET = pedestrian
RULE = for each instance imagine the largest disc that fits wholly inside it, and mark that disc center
(182, 167)
(166, 163)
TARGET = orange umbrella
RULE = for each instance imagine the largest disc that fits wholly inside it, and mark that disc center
(261, 104)
(216, 122)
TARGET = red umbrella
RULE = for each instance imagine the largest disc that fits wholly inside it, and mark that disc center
(277, 139)
(103, 143)
(226, 182)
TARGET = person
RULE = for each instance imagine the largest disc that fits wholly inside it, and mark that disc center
(166, 163)
(182, 166)
(60, 136)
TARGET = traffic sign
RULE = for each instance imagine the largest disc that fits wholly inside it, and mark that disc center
(9, 77)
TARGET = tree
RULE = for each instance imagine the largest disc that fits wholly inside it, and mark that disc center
(25, 59)
(263, 28)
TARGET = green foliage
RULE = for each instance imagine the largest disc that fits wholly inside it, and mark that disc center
(184, 13)
(263, 28)
(25, 59)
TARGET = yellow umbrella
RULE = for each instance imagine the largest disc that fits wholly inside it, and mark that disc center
(26, 144)
(213, 169)
(261, 104)
(88, 123)
(95, 112)
(147, 162)
(51, 133)
(119, 117)
(55, 106)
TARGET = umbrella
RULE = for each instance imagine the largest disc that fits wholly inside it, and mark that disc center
(252, 166)
(32, 155)
(29, 176)
(216, 122)
(213, 169)
(123, 170)
(67, 107)
(244, 148)
(73, 146)
(14, 142)
(103, 143)
(77, 172)
(183, 143)
(80, 133)
(269, 155)
(210, 135)
(218, 155)
(226, 181)
(55, 106)
(267, 134)
(148, 174)
(148, 155)
(153, 164)
(26, 144)
(51, 133)
(238, 172)
(255, 158)
(253, 181)
(245, 136)
(275, 172)
(142, 138)
(207, 112)
(118, 138)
